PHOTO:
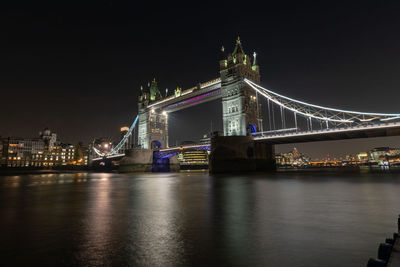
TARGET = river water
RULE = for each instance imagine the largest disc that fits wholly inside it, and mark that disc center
(195, 219)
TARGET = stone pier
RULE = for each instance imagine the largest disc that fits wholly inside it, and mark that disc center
(240, 154)
(144, 160)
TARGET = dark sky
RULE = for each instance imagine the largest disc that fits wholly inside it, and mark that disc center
(77, 66)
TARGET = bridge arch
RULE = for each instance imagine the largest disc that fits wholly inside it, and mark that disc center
(251, 129)
(156, 144)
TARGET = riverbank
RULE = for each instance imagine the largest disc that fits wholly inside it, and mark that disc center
(342, 169)
(32, 170)
(73, 169)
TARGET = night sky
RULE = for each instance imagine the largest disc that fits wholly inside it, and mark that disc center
(77, 67)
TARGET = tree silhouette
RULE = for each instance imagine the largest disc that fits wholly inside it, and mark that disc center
(78, 156)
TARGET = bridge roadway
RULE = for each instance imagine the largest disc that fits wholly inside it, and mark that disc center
(352, 132)
(362, 131)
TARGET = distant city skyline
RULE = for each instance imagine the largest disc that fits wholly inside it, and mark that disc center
(340, 148)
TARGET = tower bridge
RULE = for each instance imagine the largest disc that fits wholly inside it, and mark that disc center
(248, 138)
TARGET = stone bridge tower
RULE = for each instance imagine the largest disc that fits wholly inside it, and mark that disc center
(240, 108)
(153, 124)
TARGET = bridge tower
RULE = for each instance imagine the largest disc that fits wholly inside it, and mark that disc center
(240, 108)
(153, 124)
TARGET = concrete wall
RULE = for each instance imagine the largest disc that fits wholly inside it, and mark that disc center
(240, 154)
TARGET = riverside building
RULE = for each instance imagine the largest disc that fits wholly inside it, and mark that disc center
(44, 151)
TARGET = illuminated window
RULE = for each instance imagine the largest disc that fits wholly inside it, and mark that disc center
(233, 126)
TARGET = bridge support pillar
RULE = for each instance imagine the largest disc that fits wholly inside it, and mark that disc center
(146, 160)
(138, 160)
(164, 164)
(240, 154)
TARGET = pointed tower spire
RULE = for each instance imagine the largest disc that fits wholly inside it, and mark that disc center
(238, 47)
(255, 59)
(223, 53)
(154, 92)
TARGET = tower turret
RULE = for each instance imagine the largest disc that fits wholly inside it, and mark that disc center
(153, 123)
(255, 66)
(237, 65)
(154, 92)
(241, 110)
(144, 98)
(222, 61)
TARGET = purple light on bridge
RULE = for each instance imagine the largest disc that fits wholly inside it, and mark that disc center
(198, 99)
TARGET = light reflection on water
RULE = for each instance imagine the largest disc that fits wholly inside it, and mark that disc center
(91, 219)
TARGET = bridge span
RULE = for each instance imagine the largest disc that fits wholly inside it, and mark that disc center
(341, 133)
(249, 136)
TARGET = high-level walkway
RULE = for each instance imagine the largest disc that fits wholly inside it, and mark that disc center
(201, 93)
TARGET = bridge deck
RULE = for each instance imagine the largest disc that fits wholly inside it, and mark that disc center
(363, 131)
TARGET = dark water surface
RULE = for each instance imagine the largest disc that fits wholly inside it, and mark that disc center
(194, 219)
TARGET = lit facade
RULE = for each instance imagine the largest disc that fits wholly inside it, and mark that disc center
(380, 154)
(49, 138)
(60, 155)
(362, 157)
(45, 151)
(292, 158)
(124, 131)
(193, 157)
(19, 152)
(153, 124)
(240, 108)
